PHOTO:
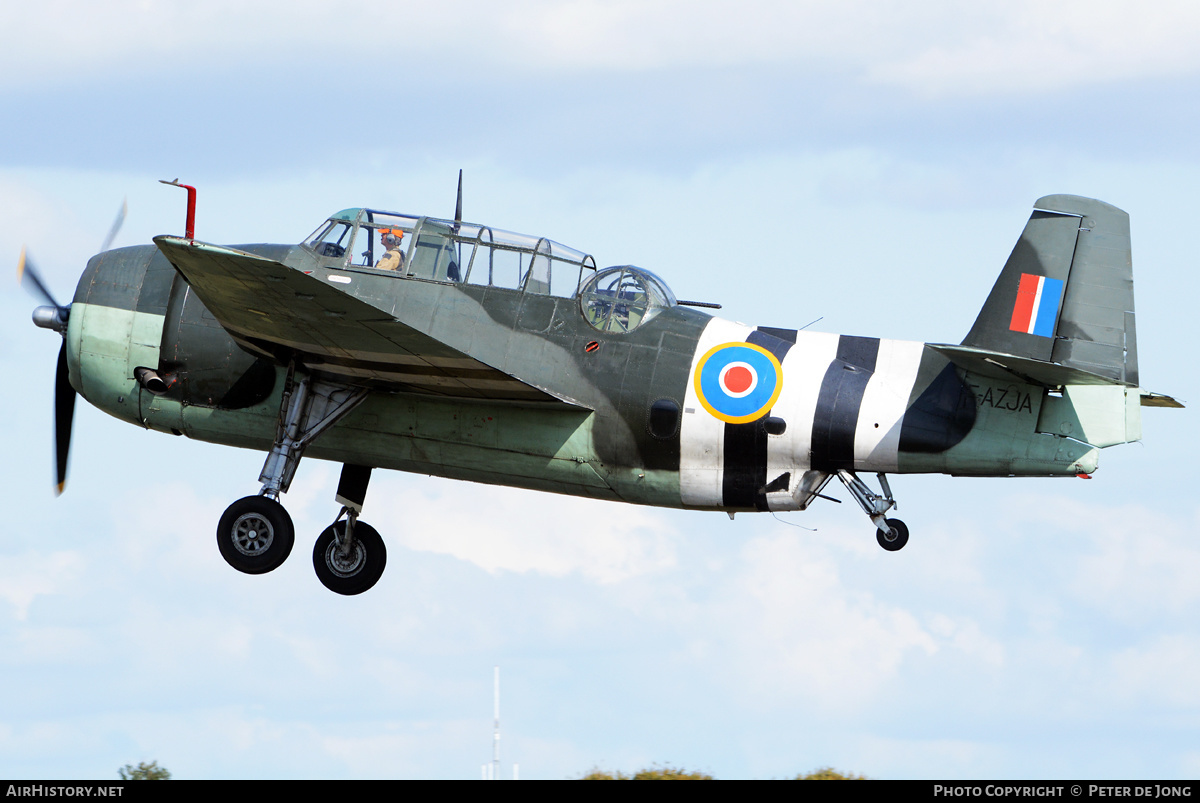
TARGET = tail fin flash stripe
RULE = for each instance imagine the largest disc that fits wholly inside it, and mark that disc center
(1036, 309)
(1027, 293)
(1046, 315)
(1065, 295)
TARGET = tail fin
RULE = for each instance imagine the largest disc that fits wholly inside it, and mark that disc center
(1065, 295)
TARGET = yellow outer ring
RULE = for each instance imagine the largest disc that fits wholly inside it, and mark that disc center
(738, 419)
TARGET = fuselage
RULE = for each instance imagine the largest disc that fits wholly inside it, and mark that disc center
(642, 420)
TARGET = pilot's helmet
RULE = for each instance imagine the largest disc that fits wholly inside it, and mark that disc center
(392, 237)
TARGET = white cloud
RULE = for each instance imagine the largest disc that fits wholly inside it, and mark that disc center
(399, 748)
(1143, 562)
(29, 574)
(931, 48)
(801, 631)
(1160, 673)
(1035, 47)
(503, 530)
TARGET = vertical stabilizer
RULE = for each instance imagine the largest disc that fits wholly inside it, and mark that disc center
(1066, 293)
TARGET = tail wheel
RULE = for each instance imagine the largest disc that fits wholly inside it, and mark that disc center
(255, 535)
(896, 536)
(352, 573)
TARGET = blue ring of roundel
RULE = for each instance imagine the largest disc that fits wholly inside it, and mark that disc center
(728, 408)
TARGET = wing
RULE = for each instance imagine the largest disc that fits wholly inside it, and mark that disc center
(272, 309)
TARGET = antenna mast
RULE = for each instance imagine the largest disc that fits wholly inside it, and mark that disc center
(491, 772)
(496, 736)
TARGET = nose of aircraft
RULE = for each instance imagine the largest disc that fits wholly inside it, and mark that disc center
(51, 318)
(54, 316)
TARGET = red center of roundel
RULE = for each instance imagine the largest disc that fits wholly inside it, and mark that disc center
(738, 379)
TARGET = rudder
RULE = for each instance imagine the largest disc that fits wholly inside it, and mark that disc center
(1065, 295)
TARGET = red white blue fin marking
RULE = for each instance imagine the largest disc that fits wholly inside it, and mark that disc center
(1036, 309)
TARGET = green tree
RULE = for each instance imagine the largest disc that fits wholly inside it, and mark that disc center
(597, 774)
(828, 774)
(669, 773)
(144, 772)
(652, 773)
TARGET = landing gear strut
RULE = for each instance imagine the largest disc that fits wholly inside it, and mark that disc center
(892, 534)
(255, 534)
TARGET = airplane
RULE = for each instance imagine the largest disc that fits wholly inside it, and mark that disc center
(406, 342)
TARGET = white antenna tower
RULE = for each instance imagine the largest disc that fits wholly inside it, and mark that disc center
(491, 772)
(496, 736)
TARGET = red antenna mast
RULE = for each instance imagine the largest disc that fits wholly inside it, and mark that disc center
(190, 226)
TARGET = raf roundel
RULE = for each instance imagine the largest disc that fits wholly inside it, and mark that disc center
(738, 382)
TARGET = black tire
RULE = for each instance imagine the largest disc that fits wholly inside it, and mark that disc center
(255, 535)
(357, 573)
(895, 539)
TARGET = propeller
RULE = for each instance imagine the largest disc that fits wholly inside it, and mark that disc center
(116, 227)
(55, 316)
(64, 415)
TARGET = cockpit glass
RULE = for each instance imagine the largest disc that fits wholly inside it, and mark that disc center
(451, 251)
(621, 299)
(331, 239)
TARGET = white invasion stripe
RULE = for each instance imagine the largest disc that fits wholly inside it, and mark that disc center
(702, 435)
(877, 435)
(1037, 302)
(804, 369)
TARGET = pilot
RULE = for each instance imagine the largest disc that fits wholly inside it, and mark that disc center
(392, 241)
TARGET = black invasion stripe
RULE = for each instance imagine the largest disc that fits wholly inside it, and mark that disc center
(783, 334)
(840, 400)
(745, 447)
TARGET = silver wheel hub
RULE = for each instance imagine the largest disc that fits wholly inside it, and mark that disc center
(345, 565)
(252, 534)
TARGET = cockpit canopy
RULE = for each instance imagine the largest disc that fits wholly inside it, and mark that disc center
(449, 251)
(621, 299)
(615, 299)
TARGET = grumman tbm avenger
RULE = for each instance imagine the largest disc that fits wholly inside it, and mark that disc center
(454, 349)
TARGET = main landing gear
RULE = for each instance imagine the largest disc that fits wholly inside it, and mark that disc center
(349, 556)
(892, 534)
(255, 534)
(349, 565)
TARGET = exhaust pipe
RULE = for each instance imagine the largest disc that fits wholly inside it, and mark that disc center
(151, 381)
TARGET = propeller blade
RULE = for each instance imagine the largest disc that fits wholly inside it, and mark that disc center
(64, 414)
(28, 276)
(116, 226)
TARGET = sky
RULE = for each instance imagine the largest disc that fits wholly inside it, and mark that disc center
(868, 165)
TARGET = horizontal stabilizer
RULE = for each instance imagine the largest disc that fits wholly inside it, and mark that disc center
(1009, 366)
(274, 310)
(1159, 400)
